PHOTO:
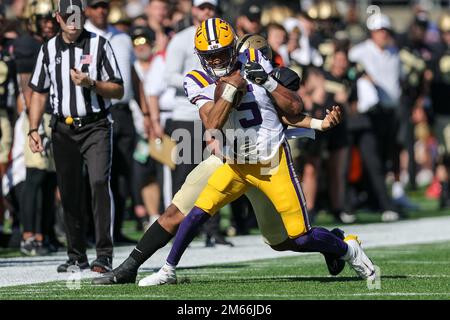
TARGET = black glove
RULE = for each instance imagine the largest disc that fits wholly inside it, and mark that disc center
(255, 73)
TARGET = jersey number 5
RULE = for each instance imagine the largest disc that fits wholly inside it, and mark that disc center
(256, 118)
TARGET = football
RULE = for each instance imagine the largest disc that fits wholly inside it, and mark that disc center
(220, 86)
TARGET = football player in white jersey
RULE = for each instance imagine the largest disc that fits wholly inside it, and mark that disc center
(269, 221)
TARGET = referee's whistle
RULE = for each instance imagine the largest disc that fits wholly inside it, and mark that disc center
(69, 120)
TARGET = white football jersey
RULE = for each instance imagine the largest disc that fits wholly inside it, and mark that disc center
(253, 130)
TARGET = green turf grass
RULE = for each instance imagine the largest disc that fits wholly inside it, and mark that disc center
(408, 272)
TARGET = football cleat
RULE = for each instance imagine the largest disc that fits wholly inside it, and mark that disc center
(102, 264)
(28, 247)
(73, 265)
(390, 216)
(165, 275)
(335, 264)
(358, 260)
(125, 273)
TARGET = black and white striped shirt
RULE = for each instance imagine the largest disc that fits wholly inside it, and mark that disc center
(91, 54)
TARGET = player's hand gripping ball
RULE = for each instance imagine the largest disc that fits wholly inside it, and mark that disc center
(236, 80)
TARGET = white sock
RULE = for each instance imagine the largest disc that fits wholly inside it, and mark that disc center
(350, 253)
(169, 267)
(397, 190)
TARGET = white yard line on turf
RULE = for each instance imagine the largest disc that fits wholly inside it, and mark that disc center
(18, 271)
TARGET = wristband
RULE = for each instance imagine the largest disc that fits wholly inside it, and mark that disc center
(316, 124)
(32, 130)
(270, 85)
(229, 92)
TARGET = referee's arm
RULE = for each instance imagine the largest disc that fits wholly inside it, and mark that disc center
(37, 108)
(111, 84)
(40, 84)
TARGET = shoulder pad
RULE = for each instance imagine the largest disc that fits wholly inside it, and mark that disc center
(287, 77)
(200, 78)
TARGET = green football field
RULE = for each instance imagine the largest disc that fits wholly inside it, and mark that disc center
(407, 272)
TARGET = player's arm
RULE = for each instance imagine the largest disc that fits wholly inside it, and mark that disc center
(215, 114)
(288, 101)
(332, 119)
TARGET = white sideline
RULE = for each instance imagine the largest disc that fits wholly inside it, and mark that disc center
(29, 270)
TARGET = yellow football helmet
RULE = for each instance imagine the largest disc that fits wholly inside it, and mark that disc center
(254, 41)
(215, 45)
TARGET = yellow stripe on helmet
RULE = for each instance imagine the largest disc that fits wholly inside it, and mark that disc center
(252, 55)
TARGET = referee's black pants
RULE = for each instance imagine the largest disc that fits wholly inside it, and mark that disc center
(72, 147)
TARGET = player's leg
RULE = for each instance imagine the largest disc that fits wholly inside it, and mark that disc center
(164, 229)
(284, 190)
(274, 232)
(224, 186)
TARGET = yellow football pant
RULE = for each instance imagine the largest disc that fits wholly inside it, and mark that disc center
(280, 185)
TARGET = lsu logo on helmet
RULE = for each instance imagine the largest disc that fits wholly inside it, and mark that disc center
(215, 45)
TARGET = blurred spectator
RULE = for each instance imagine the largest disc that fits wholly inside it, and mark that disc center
(157, 12)
(415, 56)
(440, 97)
(8, 96)
(276, 37)
(13, 181)
(38, 196)
(135, 8)
(146, 170)
(118, 17)
(379, 100)
(249, 20)
(298, 48)
(160, 97)
(276, 14)
(353, 26)
(124, 134)
(340, 87)
(313, 94)
(184, 19)
(329, 151)
(327, 19)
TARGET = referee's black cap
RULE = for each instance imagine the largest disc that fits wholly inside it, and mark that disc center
(68, 6)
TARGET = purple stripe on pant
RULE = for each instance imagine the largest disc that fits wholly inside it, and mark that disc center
(296, 184)
(187, 231)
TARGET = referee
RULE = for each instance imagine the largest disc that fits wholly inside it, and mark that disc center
(79, 71)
